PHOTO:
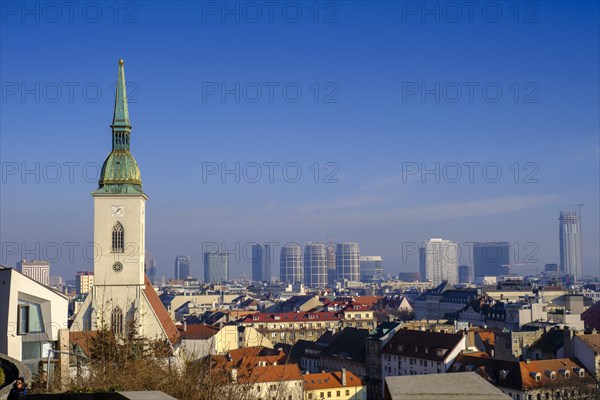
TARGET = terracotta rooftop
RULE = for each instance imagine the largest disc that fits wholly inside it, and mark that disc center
(291, 317)
(271, 373)
(197, 331)
(330, 380)
(161, 313)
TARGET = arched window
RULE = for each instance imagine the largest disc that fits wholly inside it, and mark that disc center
(116, 321)
(118, 238)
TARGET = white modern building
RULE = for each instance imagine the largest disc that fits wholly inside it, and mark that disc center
(439, 259)
(39, 271)
(570, 244)
(31, 316)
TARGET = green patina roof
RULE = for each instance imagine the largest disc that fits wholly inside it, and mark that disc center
(120, 173)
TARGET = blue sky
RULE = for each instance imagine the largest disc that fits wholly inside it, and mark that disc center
(386, 91)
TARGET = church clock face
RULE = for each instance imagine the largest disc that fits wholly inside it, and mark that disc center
(117, 267)
(118, 211)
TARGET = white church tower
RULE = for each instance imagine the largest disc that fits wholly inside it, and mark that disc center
(122, 295)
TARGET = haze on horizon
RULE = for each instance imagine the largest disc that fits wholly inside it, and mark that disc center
(379, 110)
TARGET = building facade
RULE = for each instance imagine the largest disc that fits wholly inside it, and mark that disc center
(315, 265)
(441, 261)
(216, 267)
(84, 281)
(570, 244)
(182, 267)
(491, 258)
(290, 264)
(39, 271)
(371, 269)
(262, 258)
(347, 262)
(464, 274)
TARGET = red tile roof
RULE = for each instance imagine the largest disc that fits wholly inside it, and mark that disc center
(291, 317)
(271, 373)
(197, 331)
(330, 380)
(161, 313)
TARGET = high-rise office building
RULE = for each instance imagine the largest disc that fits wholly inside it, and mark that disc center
(330, 248)
(371, 269)
(39, 271)
(216, 267)
(422, 266)
(347, 262)
(551, 268)
(441, 261)
(150, 267)
(570, 244)
(182, 267)
(84, 280)
(464, 274)
(315, 265)
(491, 258)
(290, 264)
(262, 258)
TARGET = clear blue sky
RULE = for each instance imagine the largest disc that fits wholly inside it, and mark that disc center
(367, 115)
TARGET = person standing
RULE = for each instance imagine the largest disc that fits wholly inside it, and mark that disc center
(19, 390)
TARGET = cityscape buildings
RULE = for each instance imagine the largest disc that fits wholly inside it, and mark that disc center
(290, 264)
(570, 244)
(440, 261)
(315, 265)
(347, 262)
(262, 259)
(182, 267)
(371, 269)
(491, 258)
(37, 270)
(216, 267)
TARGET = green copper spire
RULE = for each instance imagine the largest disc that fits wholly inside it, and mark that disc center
(120, 172)
(121, 117)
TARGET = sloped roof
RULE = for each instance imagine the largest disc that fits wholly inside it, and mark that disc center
(271, 373)
(197, 331)
(349, 343)
(422, 344)
(591, 317)
(330, 380)
(592, 341)
(161, 312)
(549, 342)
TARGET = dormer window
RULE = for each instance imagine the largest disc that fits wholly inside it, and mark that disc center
(537, 376)
(400, 347)
(503, 373)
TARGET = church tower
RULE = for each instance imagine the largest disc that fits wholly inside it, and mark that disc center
(122, 295)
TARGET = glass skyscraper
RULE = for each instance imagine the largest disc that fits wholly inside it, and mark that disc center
(182, 267)
(491, 258)
(347, 262)
(371, 269)
(464, 274)
(261, 262)
(330, 264)
(570, 244)
(216, 267)
(290, 264)
(315, 265)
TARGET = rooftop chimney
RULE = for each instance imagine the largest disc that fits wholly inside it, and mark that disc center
(343, 376)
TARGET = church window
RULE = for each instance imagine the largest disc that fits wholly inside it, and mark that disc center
(116, 321)
(118, 238)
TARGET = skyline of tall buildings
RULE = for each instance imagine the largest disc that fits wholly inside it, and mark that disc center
(182, 267)
(315, 265)
(347, 262)
(216, 267)
(569, 231)
(491, 259)
(464, 274)
(440, 261)
(262, 259)
(291, 269)
(371, 269)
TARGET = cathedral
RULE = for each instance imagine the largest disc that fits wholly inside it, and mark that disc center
(122, 297)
